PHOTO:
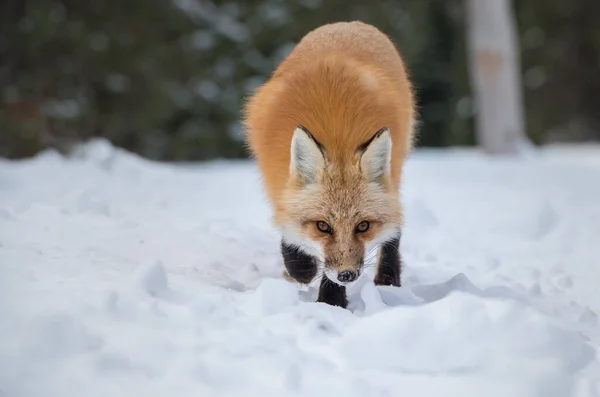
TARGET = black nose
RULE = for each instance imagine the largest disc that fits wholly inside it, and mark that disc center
(347, 276)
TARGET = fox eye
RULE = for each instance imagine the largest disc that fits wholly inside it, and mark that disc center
(324, 227)
(362, 227)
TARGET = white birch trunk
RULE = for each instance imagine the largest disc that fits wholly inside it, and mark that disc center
(495, 75)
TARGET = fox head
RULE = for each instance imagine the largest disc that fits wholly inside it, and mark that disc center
(340, 211)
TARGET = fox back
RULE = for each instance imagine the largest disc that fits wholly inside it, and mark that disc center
(330, 131)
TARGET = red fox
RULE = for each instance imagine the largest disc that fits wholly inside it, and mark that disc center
(330, 131)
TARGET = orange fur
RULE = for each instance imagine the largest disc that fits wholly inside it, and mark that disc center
(343, 82)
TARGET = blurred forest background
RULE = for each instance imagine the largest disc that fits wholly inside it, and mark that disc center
(167, 78)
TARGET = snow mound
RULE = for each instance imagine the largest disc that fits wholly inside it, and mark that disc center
(272, 296)
(120, 276)
(468, 338)
(154, 280)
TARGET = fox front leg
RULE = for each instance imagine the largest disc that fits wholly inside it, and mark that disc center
(389, 265)
(299, 266)
(302, 268)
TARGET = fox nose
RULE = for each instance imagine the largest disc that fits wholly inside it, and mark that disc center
(347, 276)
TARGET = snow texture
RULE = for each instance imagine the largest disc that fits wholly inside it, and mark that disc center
(124, 277)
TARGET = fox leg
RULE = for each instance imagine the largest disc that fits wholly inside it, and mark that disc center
(389, 265)
(302, 268)
(332, 293)
(299, 266)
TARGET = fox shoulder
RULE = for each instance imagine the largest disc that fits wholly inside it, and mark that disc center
(343, 82)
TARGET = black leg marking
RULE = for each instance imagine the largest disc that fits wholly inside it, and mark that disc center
(303, 268)
(332, 293)
(300, 266)
(390, 264)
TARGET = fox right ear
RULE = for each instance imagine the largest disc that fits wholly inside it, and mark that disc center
(375, 161)
(307, 157)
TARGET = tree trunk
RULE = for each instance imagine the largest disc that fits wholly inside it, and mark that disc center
(495, 76)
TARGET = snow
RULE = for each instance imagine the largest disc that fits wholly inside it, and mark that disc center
(120, 277)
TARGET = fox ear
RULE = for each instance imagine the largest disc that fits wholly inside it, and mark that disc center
(307, 157)
(376, 156)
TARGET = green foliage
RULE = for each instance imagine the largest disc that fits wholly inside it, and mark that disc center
(560, 51)
(167, 78)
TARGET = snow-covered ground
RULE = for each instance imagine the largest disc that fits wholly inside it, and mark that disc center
(124, 277)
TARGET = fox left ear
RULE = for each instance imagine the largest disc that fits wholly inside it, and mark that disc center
(307, 157)
(376, 156)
